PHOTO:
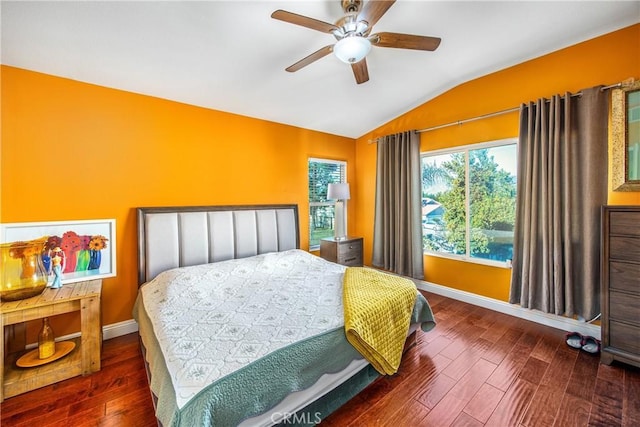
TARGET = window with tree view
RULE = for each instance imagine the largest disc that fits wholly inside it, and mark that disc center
(469, 201)
(322, 211)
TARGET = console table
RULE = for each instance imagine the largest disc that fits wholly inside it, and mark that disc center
(83, 360)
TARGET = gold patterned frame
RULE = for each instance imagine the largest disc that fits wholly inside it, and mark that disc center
(619, 150)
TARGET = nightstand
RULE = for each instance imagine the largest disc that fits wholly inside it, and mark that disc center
(83, 360)
(346, 252)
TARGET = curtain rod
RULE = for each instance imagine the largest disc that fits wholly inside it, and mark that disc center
(497, 113)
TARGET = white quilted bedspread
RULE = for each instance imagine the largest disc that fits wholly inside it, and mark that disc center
(213, 319)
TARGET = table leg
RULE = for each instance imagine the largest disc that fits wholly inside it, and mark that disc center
(91, 331)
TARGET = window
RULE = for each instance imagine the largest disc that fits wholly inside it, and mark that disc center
(322, 211)
(469, 201)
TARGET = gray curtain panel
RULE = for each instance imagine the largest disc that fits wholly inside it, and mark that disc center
(562, 183)
(397, 234)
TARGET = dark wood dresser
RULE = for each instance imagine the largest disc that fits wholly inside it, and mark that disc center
(620, 296)
(346, 252)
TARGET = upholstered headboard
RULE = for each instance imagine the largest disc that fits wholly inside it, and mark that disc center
(170, 237)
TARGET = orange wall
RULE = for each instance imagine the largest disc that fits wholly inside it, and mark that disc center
(604, 60)
(74, 151)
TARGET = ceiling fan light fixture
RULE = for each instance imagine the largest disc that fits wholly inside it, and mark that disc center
(352, 49)
(353, 35)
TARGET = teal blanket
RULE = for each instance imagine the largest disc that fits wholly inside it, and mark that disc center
(259, 386)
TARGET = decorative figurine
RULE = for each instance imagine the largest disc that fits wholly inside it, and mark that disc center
(56, 262)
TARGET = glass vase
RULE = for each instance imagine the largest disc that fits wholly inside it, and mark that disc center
(95, 258)
(83, 260)
(22, 274)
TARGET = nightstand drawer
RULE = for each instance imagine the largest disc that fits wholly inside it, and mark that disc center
(350, 248)
(351, 260)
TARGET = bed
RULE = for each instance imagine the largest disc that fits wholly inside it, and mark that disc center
(238, 326)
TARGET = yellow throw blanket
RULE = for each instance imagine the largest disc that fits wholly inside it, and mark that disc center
(377, 313)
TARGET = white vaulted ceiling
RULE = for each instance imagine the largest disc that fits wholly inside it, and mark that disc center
(231, 56)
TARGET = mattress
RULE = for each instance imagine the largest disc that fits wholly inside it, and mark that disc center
(231, 340)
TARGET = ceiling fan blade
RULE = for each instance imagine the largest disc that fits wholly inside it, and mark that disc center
(303, 21)
(405, 41)
(360, 71)
(320, 53)
(372, 11)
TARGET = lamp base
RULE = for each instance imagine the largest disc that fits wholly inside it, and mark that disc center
(340, 225)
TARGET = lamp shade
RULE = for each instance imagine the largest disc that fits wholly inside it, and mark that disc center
(352, 49)
(338, 191)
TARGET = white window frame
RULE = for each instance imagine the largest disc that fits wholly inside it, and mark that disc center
(343, 179)
(465, 149)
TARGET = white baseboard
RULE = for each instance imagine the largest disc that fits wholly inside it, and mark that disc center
(118, 329)
(109, 331)
(558, 322)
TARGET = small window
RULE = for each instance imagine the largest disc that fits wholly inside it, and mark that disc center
(469, 201)
(322, 211)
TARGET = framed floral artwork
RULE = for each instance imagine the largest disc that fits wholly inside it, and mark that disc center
(74, 250)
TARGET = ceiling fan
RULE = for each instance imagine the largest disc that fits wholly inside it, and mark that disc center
(353, 32)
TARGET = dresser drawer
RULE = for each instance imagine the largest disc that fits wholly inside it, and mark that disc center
(625, 223)
(624, 307)
(624, 276)
(624, 337)
(624, 248)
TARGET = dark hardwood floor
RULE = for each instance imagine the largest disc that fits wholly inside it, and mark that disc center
(477, 367)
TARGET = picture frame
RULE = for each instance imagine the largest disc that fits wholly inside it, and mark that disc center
(78, 235)
(625, 139)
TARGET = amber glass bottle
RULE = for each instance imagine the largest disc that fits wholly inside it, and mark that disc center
(46, 342)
